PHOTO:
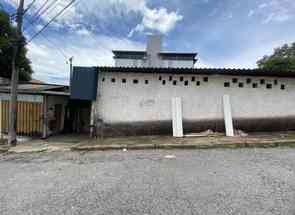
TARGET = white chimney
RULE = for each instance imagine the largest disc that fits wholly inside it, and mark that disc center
(154, 47)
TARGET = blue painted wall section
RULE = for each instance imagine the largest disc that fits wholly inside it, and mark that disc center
(84, 83)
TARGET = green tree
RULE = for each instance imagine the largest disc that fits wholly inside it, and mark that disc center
(7, 35)
(283, 58)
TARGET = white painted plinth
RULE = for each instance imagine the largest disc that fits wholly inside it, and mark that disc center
(177, 117)
(228, 121)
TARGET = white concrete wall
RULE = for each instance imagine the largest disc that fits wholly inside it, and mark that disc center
(162, 63)
(129, 63)
(118, 102)
(178, 63)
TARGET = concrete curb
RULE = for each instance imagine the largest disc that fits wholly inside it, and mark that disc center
(3, 150)
(262, 144)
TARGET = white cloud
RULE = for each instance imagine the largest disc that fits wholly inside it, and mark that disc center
(158, 19)
(263, 5)
(251, 13)
(277, 11)
(83, 32)
(50, 65)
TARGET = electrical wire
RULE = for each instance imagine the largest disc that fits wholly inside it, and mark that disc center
(43, 12)
(41, 7)
(51, 20)
(29, 6)
(62, 52)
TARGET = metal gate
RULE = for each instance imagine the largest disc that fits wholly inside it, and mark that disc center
(29, 118)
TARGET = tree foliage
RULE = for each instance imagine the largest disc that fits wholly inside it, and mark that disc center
(7, 35)
(283, 58)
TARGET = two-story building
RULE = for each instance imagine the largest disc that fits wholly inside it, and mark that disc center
(137, 95)
(153, 56)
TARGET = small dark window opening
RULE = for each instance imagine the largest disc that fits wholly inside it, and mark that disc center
(103, 79)
(248, 80)
(205, 79)
(181, 78)
(226, 84)
(123, 80)
(241, 85)
(113, 80)
(174, 82)
(275, 82)
(268, 86)
(254, 85)
(170, 78)
(135, 81)
(198, 83)
(283, 87)
(193, 79)
(186, 83)
(160, 78)
(163, 82)
(235, 80)
(262, 81)
(146, 81)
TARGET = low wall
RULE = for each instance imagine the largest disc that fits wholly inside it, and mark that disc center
(165, 127)
(140, 104)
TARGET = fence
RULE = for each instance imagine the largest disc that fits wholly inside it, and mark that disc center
(29, 118)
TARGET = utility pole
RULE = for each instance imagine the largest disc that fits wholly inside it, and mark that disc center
(15, 75)
(71, 67)
(71, 70)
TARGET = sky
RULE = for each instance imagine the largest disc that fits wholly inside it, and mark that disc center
(224, 33)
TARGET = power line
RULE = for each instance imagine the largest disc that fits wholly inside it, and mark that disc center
(57, 15)
(46, 9)
(36, 17)
(42, 10)
(29, 6)
(41, 7)
(50, 41)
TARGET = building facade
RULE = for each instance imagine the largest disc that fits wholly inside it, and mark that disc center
(138, 102)
(154, 57)
(135, 97)
(41, 109)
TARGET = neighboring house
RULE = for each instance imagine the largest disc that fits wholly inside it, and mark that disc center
(41, 109)
(137, 100)
(154, 57)
(4, 81)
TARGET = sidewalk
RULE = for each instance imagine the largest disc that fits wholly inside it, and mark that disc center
(83, 143)
(259, 140)
(54, 143)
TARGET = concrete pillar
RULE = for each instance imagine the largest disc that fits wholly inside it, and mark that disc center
(1, 123)
(177, 117)
(92, 121)
(45, 118)
(228, 121)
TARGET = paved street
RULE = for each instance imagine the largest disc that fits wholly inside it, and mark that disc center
(245, 181)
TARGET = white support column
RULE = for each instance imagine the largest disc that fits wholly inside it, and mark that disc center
(228, 121)
(1, 123)
(177, 117)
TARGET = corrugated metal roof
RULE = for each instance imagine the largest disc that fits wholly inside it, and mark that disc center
(201, 71)
(38, 89)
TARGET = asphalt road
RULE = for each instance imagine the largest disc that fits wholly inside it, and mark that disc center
(246, 181)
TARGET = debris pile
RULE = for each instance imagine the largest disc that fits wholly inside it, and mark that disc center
(240, 133)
